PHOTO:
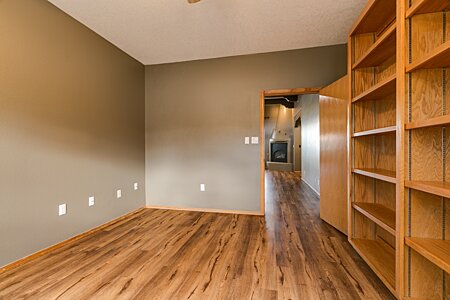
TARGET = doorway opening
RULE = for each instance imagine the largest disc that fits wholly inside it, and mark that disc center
(280, 132)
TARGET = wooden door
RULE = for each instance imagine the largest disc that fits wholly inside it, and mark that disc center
(333, 153)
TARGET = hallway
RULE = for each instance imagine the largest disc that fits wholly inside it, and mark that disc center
(162, 254)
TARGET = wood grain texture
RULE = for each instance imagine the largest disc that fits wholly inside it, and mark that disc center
(333, 153)
(379, 214)
(382, 89)
(157, 254)
(437, 58)
(426, 36)
(380, 174)
(426, 94)
(437, 121)
(381, 50)
(375, 17)
(291, 92)
(427, 6)
(374, 183)
(438, 188)
(436, 251)
(380, 257)
(401, 117)
(45, 251)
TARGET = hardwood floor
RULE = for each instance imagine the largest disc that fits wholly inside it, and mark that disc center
(160, 254)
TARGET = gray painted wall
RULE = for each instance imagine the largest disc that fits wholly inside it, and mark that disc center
(310, 140)
(71, 126)
(198, 113)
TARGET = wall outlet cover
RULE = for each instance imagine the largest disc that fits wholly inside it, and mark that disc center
(91, 201)
(247, 140)
(119, 194)
(255, 140)
(62, 209)
(136, 186)
(202, 187)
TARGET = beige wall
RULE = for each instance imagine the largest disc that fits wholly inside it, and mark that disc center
(198, 113)
(71, 126)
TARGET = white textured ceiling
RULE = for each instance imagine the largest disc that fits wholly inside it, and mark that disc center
(163, 31)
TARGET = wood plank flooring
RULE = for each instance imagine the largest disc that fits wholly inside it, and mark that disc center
(160, 254)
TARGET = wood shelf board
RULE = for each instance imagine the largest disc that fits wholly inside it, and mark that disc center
(375, 16)
(376, 131)
(436, 251)
(380, 257)
(291, 92)
(438, 121)
(380, 90)
(381, 50)
(381, 174)
(437, 58)
(433, 187)
(379, 214)
(427, 6)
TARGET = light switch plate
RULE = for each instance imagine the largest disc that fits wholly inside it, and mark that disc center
(202, 187)
(136, 186)
(255, 140)
(62, 209)
(247, 140)
(119, 194)
(91, 201)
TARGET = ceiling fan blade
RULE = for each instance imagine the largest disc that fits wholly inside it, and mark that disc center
(193, 1)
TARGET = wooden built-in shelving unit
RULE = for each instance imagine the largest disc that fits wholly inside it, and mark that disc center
(374, 128)
(399, 145)
(426, 145)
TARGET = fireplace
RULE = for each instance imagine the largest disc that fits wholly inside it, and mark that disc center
(279, 151)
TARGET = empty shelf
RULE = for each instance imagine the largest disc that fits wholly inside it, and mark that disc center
(427, 6)
(380, 90)
(438, 121)
(381, 174)
(377, 14)
(383, 48)
(377, 131)
(379, 214)
(380, 257)
(436, 251)
(433, 187)
(438, 58)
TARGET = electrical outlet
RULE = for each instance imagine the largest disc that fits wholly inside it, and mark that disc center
(255, 140)
(202, 187)
(62, 209)
(136, 186)
(119, 194)
(91, 201)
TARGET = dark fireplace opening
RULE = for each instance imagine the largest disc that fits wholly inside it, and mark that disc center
(278, 151)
